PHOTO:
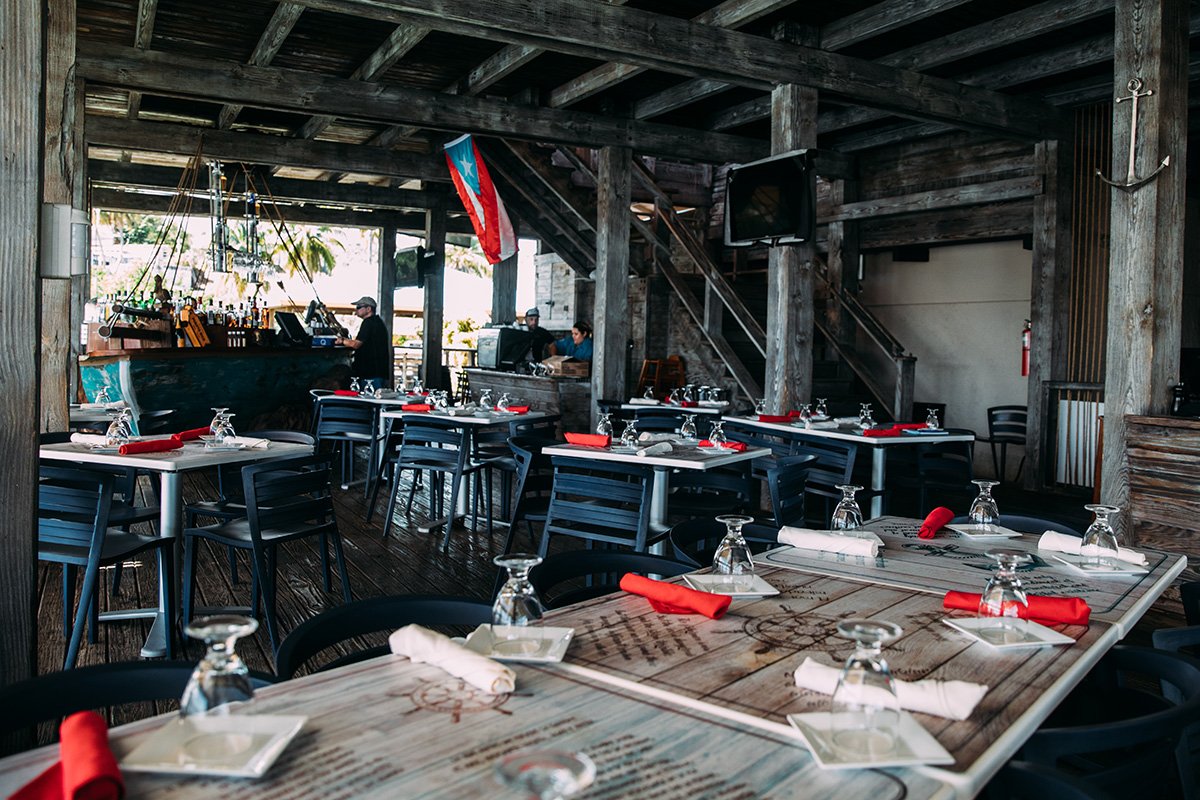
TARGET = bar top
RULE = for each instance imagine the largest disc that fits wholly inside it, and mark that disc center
(172, 353)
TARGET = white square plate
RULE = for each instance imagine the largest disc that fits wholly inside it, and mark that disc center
(972, 531)
(715, 584)
(210, 447)
(1077, 563)
(547, 645)
(915, 746)
(233, 745)
(1032, 634)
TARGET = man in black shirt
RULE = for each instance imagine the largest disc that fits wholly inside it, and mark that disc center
(540, 337)
(372, 348)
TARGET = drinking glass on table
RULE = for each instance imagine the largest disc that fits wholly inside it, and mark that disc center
(218, 412)
(605, 427)
(984, 510)
(1003, 598)
(418, 387)
(629, 436)
(806, 415)
(732, 559)
(117, 433)
(687, 430)
(716, 437)
(485, 399)
(865, 717)
(504, 402)
(1099, 545)
(102, 395)
(221, 677)
(224, 431)
(689, 393)
(546, 774)
(931, 420)
(760, 405)
(704, 394)
(649, 393)
(676, 396)
(847, 516)
(355, 386)
(822, 408)
(517, 610)
(865, 420)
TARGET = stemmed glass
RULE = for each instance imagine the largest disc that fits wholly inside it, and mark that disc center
(687, 430)
(689, 393)
(517, 607)
(102, 395)
(676, 396)
(732, 560)
(866, 714)
(822, 409)
(1099, 545)
(716, 436)
(605, 427)
(649, 393)
(118, 431)
(355, 386)
(847, 516)
(219, 680)
(546, 774)
(704, 394)
(418, 387)
(503, 403)
(1003, 598)
(865, 420)
(984, 510)
(218, 413)
(931, 420)
(760, 406)
(629, 436)
(806, 415)
(224, 431)
(485, 399)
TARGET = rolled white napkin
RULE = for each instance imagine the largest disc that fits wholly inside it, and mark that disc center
(642, 401)
(655, 449)
(854, 543)
(424, 646)
(824, 425)
(950, 699)
(1065, 543)
(650, 437)
(90, 439)
(248, 442)
(105, 406)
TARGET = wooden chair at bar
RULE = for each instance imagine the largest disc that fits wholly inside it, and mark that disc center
(664, 374)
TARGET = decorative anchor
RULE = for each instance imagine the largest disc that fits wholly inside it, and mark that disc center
(1132, 182)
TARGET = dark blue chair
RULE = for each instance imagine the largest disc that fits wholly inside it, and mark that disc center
(345, 424)
(599, 501)
(1021, 780)
(594, 573)
(834, 466)
(695, 540)
(781, 445)
(787, 483)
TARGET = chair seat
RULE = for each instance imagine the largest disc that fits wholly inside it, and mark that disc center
(123, 513)
(221, 509)
(237, 532)
(117, 545)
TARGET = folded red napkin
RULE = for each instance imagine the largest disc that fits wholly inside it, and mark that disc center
(519, 409)
(189, 435)
(588, 439)
(345, 393)
(151, 446)
(416, 407)
(688, 404)
(86, 769)
(1046, 610)
(909, 426)
(936, 520)
(774, 418)
(877, 433)
(793, 414)
(739, 447)
(671, 598)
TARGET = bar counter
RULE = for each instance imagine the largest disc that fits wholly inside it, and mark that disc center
(264, 387)
(571, 397)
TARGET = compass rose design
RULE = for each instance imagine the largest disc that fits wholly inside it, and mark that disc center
(455, 697)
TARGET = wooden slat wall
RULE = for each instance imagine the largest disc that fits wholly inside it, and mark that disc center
(1164, 484)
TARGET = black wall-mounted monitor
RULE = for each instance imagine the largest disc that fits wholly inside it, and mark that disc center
(771, 201)
(410, 262)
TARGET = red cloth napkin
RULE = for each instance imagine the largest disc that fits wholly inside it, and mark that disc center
(1046, 610)
(416, 407)
(588, 439)
(739, 447)
(774, 418)
(189, 435)
(671, 598)
(519, 409)
(345, 393)
(151, 446)
(86, 769)
(688, 404)
(909, 426)
(877, 433)
(936, 520)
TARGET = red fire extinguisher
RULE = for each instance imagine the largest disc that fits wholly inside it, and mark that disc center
(1026, 340)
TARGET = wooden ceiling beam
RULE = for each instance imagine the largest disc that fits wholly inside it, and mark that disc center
(655, 41)
(142, 37)
(303, 92)
(273, 36)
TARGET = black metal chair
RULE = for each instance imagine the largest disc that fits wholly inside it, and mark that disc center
(599, 502)
(286, 500)
(1024, 524)
(73, 530)
(1006, 425)
(1021, 780)
(780, 445)
(594, 573)
(374, 615)
(389, 452)
(347, 424)
(945, 471)
(659, 419)
(834, 466)
(545, 427)
(787, 482)
(535, 479)
(695, 540)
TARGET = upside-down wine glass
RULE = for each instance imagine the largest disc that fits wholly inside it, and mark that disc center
(847, 516)
(485, 399)
(732, 559)
(219, 680)
(865, 714)
(822, 408)
(546, 774)
(355, 386)
(1099, 545)
(629, 436)
(760, 406)
(865, 420)
(116, 434)
(931, 420)
(1003, 598)
(649, 393)
(687, 430)
(218, 412)
(984, 510)
(605, 427)
(806, 415)
(716, 437)
(689, 393)
(102, 395)
(504, 402)
(517, 609)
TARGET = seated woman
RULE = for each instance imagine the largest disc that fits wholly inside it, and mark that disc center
(578, 345)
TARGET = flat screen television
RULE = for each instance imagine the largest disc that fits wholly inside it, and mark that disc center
(502, 348)
(771, 201)
(409, 264)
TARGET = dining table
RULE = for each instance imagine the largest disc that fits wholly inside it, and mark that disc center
(170, 467)
(679, 706)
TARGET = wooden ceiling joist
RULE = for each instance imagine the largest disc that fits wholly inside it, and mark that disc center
(273, 36)
(142, 37)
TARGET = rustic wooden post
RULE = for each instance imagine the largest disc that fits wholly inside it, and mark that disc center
(504, 285)
(1145, 266)
(387, 291)
(789, 277)
(611, 305)
(435, 277)
(842, 243)
(21, 141)
(1049, 299)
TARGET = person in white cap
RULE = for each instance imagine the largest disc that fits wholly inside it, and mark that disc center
(539, 336)
(372, 360)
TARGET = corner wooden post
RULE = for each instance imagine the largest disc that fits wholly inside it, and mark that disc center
(1145, 275)
(387, 291)
(435, 278)
(611, 305)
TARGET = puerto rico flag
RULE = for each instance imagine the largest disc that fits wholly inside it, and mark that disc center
(478, 195)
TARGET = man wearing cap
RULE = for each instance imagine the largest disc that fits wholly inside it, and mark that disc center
(539, 336)
(372, 360)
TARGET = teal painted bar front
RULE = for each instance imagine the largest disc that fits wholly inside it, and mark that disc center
(264, 388)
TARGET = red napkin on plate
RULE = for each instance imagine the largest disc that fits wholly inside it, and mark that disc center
(345, 393)
(909, 426)
(739, 447)
(189, 435)
(519, 409)
(671, 598)
(588, 439)
(1046, 610)
(86, 769)
(416, 407)
(688, 404)
(936, 520)
(877, 433)
(151, 446)
(774, 418)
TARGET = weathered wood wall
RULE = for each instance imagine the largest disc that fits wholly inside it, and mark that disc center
(1164, 485)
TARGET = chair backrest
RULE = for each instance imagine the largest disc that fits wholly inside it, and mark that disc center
(336, 416)
(1024, 524)
(546, 427)
(1007, 423)
(373, 615)
(602, 569)
(759, 437)
(694, 541)
(600, 501)
(1021, 780)
(946, 462)
(786, 483)
(282, 435)
(432, 443)
(73, 507)
(289, 493)
(535, 473)
(670, 419)
(834, 465)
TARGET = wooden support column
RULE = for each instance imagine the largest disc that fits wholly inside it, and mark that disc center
(81, 285)
(611, 305)
(842, 243)
(1145, 266)
(504, 285)
(21, 141)
(387, 291)
(435, 278)
(1049, 298)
